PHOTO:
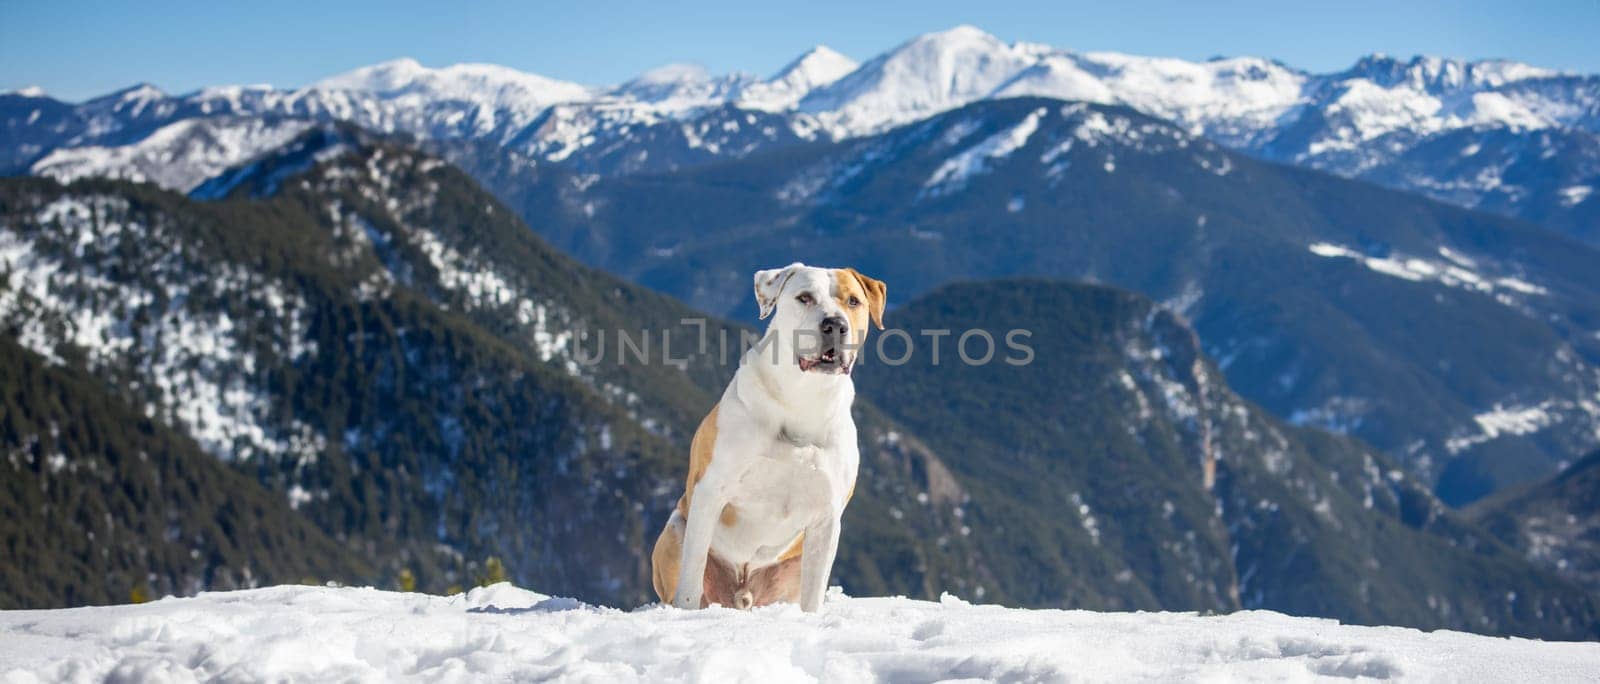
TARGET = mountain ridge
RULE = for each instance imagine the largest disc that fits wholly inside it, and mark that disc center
(385, 347)
(1492, 134)
(1106, 194)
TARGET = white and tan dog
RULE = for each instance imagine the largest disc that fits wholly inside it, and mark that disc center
(774, 463)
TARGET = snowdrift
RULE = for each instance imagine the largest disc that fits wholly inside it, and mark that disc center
(296, 633)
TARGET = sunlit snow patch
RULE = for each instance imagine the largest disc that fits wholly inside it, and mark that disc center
(954, 173)
(1573, 195)
(1455, 270)
(1507, 420)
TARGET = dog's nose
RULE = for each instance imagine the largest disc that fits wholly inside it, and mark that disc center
(834, 325)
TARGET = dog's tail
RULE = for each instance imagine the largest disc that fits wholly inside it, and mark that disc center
(744, 600)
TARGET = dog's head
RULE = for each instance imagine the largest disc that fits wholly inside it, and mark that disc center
(819, 315)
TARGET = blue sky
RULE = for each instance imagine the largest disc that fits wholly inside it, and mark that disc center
(75, 49)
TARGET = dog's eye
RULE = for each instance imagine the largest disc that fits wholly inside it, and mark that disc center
(804, 298)
(854, 301)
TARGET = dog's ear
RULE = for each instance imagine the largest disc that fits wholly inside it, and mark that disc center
(877, 295)
(769, 284)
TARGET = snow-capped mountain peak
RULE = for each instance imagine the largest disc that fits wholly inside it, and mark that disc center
(385, 76)
(670, 74)
(489, 84)
(818, 67)
(136, 93)
(28, 91)
(948, 69)
(1442, 74)
(675, 88)
(931, 73)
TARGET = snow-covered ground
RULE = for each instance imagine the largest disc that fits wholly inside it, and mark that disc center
(294, 633)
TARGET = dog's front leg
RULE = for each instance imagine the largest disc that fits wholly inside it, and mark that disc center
(703, 510)
(816, 561)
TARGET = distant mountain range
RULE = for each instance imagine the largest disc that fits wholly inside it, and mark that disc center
(1461, 343)
(1496, 135)
(356, 337)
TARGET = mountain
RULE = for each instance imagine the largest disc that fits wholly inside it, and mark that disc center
(524, 114)
(819, 66)
(927, 75)
(1112, 468)
(102, 504)
(1556, 523)
(1496, 135)
(487, 87)
(289, 352)
(1491, 134)
(1460, 343)
(179, 155)
(385, 350)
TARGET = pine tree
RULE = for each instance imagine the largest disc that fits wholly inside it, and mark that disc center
(494, 572)
(406, 580)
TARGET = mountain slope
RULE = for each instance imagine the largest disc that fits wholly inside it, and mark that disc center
(101, 504)
(1460, 343)
(282, 350)
(494, 265)
(1556, 523)
(179, 155)
(1112, 468)
(396, 355)
(818, 67)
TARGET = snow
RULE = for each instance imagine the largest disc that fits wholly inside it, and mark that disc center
(1235, 100)
(1455, 271)
(945, 70)
(488, 85)
(298, 633)
(932, 73)
(678, 88)
(1573, 195)
(1231, 99)
(818, 67)
(1513, 421)
(196, 363)
(178, 156)
(954, 173)
(480, 282)
(1508, 420)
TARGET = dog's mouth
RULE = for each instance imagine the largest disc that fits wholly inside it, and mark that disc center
(830, 361)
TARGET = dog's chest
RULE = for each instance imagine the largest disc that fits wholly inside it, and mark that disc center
(773, 500)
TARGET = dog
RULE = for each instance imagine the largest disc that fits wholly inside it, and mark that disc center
(774, 463)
